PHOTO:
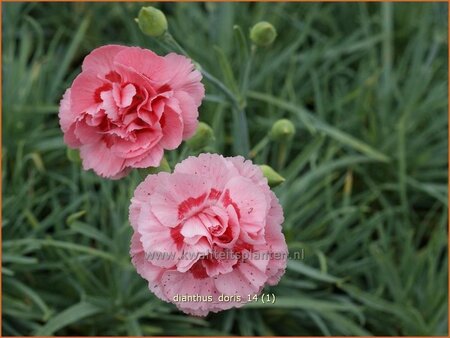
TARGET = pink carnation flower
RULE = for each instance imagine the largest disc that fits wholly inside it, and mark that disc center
(210, 229)
(127, 106)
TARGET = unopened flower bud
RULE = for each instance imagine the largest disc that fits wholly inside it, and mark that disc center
(282, 130)
(272, 176)
(263, 34)
(152, 21)
(202, 137)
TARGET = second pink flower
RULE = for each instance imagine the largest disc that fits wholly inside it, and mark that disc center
(127, 106)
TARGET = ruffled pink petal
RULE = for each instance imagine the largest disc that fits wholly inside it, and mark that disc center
(141, 144)
(86, 134)
(152, 158)
(220, 262)
(160, 247)
(276, 241)
(215, 219)
(109, 105)
(252, 237)
(189, 112)
(249, 199)
(180, 284)
(130, 75)
(142, 61)
(179, 72)
(70, 138)
(172, 129)
(120, 174)
(194, 227)
(178, 196)
(142, 195)
(229, 238)
(101, 60)
(247, 169)
(157, 106)
(94, 120)
(144, 268)
(253, 275)
(66, 115)
(261, 259)
(84, 92)
(214, 166)
(123, 96)
(236, 283)
(192, 253)
(97, 156)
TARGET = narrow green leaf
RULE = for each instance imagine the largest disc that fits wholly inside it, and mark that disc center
(69, 55)
(69, 316)
(227, 71)
(311, 272)
(313, 121)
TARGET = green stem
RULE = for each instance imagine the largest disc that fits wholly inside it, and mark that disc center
(282, 154)
(260, 145)
(240, 113)
(171, 40)
(211, 78)
(247, 70)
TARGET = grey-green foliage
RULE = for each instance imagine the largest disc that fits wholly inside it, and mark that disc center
(365, 194)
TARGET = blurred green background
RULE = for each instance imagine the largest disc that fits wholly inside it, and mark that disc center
(365, 195)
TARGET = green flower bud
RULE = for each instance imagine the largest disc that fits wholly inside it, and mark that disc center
(152, 21)
(73, 155)
(272, 176)
(282, 130)
(202, 137)
(263, 34)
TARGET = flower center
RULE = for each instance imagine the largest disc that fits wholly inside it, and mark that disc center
(214, 227)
